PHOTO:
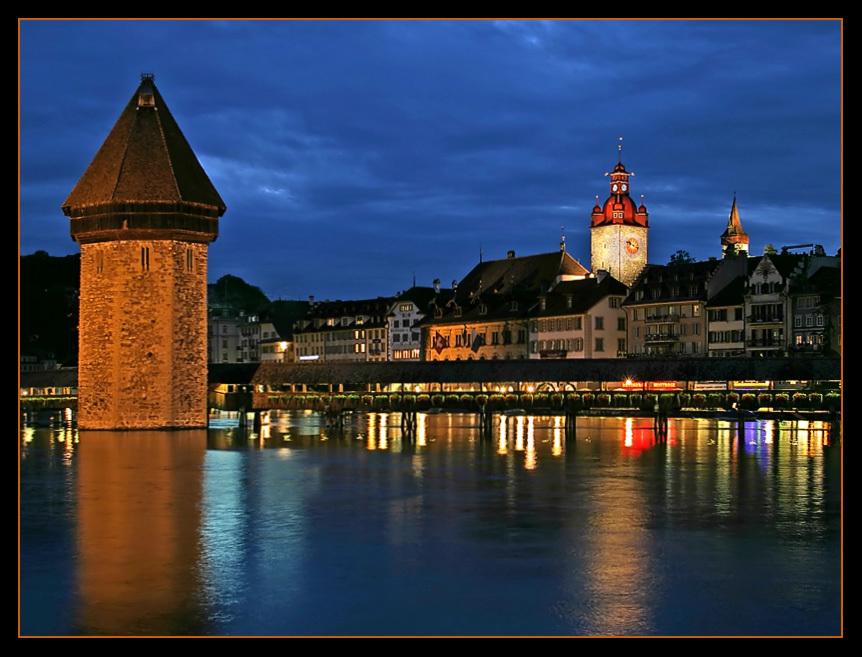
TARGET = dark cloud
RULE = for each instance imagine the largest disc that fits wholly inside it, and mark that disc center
(352, 155)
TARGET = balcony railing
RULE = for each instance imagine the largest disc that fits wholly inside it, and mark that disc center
(661, 337)
(766, 319)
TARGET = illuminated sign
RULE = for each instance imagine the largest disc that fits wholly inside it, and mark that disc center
(663, 385)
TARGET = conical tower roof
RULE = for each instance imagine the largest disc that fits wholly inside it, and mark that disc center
(734, 225)
(145, 158)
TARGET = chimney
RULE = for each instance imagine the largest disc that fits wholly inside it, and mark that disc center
(436, 286)
(510, 254)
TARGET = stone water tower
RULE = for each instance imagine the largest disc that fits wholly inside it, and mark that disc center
(144, 213)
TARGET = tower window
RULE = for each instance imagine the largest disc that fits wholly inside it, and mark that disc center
(145, 258)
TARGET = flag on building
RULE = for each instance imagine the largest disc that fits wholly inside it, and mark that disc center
(477, 340)
(440, 342)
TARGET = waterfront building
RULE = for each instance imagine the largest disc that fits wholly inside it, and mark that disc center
(793, 303)
(344, 331)
(143, 213)
(487, 316)
(404, 317)
(223, 335)
(726, 321)
(580, 319)
(666, 310)
(618, 230)
(816, 302)
(767, 306)
(274, 345)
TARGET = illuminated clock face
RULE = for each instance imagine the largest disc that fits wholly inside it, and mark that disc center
(625, 187)
(615, 187)
(632, 246)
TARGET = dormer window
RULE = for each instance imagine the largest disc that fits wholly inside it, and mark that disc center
(483, 309)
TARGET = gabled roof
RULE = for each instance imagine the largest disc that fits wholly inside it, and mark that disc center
(534, 273)
(732, 294)
(145, 158)
(784, 263)
(672, 283)
(423, 296)
(585, 294)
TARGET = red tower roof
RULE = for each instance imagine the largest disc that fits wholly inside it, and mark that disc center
(619, 208)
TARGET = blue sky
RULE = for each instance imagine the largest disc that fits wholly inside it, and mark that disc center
(355, 156)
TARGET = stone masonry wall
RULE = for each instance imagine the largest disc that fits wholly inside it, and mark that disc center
(142, 362)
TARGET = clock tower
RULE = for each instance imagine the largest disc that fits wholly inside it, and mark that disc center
(618, 230)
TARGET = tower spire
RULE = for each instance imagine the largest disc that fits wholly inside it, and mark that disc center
(734, 239)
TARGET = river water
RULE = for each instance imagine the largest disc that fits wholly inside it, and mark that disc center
(303, 529)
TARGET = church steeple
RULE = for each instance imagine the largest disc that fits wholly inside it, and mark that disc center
(734, 239)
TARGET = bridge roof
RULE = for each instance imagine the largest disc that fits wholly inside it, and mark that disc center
(498, 371)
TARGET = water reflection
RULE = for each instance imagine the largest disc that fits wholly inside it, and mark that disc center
(361, 528)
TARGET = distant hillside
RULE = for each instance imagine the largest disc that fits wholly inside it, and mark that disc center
(48, 289)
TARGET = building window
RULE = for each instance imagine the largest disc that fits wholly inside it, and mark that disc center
(621, 345)
(819, 320)
(621, 323)
(600, 344)
(614, 302)
(145, 258)
(600, 323)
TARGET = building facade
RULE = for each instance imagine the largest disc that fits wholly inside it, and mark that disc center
(343, 331)
(666, 310)
(487, 316)
(580, 319)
